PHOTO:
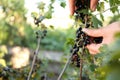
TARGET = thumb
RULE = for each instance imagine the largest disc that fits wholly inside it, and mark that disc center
(94, 48)
(93, 4)
(93, 32)
(71, 6)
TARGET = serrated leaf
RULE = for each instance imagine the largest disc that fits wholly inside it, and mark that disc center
(34, 14)
(84, 11)
(70, 41)
(41, 5)
(102, 7)
(48, 14)
(63, 4)
(96, 22)
(113, 4)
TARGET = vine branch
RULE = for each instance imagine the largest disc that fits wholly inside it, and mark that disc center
(34, 58)
(107, 9)
(67, 63)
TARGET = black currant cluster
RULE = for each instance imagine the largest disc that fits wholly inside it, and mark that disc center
(82, 39)
(38, 20)
(7, 72)
(41, 34)
(82, 8)
(80, 42)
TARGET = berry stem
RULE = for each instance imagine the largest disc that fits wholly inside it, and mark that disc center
(65, 67)
(34, 57)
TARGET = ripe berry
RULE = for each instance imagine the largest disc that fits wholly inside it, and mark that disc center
(45, 31)
(88, 42)
(75, 46)
(87, 25)
(37, 36)
(78, 64)
(36, 33)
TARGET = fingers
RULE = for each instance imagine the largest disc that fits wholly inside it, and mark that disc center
(93, 4)
(94, 32)
(94, 48)
(72, 6)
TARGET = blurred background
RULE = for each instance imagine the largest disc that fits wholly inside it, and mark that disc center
(17, 34)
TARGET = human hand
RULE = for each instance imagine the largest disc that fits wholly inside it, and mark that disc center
(93, 4)
(107, 33)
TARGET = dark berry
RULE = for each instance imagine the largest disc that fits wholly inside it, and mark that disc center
(87, 25)
(77, 39)
(75, 46)
(36, 33)
(37, 36)
(45, 31)
(77, 49)
(44, 34)
(88, 42)
(80, 29)
(78, 65)
(6, 69)
(42, 37)
(85, 43)
(77, 35)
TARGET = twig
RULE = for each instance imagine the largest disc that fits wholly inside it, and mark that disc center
(67, 63)
(34, 58)
(81, 66)
(107, 9)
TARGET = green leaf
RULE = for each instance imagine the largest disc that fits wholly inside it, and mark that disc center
(102, 7)
(41, 5)
(113, 4)
(51, 26)
(70, 41)
(84, 11)
(48, 14)
(63, 4)
(52, 1)
(96, 22)
(101, 16)
(34, 14)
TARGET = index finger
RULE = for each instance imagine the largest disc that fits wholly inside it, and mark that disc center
(72, 6)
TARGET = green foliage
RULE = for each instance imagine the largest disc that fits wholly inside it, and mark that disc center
(63, 4)
(96, 22)
(14, 31)
(13, 21)
(113, 3)
(47, 14)
(56, 39)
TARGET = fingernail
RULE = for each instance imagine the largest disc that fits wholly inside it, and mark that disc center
(93, 8)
